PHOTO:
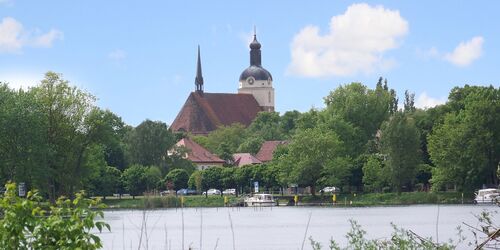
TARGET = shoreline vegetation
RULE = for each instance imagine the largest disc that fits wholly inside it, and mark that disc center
(343, 200)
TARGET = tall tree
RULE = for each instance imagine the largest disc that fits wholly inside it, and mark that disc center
(149, 142)
(64, 109)
(266, 126)
(400, 144)
(466, 146)
(310, 153)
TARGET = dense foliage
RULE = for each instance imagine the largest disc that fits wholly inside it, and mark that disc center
(53, 138)
(24, 224)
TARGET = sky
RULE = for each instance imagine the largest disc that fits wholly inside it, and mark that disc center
(139, 57)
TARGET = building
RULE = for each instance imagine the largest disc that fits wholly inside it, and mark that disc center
(204, 112)
(267, 149)
(198, 155)
(242, 159)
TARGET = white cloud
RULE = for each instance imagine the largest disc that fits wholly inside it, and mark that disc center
(424, 101)
(117, 55)
(355, 43)
(46, 40)
(466, 52)
(13, 37)
(21, 79)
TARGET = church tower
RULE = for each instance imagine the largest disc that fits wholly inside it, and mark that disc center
(256, 80)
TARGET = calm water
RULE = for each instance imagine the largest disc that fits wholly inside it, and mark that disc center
(278, 227)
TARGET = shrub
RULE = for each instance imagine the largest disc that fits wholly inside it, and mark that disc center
(67, 224)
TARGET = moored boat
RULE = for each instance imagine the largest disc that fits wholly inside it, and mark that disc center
(487, 196)
(260, 200)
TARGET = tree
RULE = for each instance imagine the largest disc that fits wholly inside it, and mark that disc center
(233, 136)
(134, 180)
(400, 144)
(210, 178)
(148, 143)
(466, 147)
(266, 125)
(409, 105)
(152, 177)
(178, 177)
(251, 145)
(195, 181)
(309, 154)
(64, 110)
(288, 123)
(375, 176)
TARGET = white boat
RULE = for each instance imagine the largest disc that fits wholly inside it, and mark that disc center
(487, 196)
(260, 200)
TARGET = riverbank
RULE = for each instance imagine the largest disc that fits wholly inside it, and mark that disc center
(358, 200)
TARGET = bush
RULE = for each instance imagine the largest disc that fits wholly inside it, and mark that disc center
(24, 224)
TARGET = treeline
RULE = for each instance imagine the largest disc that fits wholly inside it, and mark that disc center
(362, 141)
(54, 138)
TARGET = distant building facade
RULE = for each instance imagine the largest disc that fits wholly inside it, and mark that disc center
(204, 112)
(198, 155)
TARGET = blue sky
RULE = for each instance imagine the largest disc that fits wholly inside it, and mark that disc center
(138, 57)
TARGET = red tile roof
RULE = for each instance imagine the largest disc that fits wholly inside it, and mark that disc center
(204, 112)
(197, 153)
(242, 159)
(266, 151)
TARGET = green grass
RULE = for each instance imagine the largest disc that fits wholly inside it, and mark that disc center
(151, 202)
(370, 199)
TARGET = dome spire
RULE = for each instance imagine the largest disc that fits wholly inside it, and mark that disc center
(198, 81)
(255, 53)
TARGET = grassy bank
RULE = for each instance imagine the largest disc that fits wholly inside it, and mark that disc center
(152, 202)
(371, 199)
(384, 199)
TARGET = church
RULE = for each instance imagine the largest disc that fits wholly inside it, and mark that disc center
(205, 112)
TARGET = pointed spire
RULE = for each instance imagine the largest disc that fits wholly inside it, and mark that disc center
(198, 81)
(255, 54)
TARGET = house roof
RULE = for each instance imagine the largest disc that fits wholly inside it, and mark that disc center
(242, 159)
(204, 112)
(266, 151)
(197, 153)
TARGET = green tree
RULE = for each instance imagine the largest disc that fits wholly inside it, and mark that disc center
(195, 181)
(178, 177)
(466, 147)
(134, 180)
(64, 110)
(266, 125)
(400, 144)
(233, 136)
(210, 178)
(309, 154)
(251, 145)
(148, 143)
(375, 176)
(364, 108)
(152, 177)
(288, 123)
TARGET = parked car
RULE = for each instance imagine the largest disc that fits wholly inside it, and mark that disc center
(230, 191)
(330, 190)
(212, 191)
(186, 191)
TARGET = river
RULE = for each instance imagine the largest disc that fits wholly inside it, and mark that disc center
(279, 227)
